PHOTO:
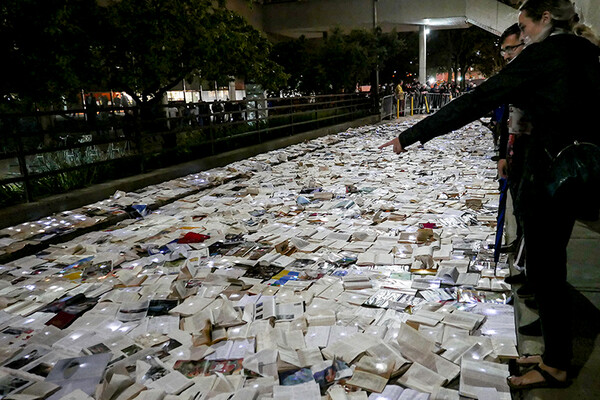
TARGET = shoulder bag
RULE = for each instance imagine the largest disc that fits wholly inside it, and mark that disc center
(574, 178)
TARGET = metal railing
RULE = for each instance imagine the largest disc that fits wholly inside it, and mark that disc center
(52, 151)
(413, 103)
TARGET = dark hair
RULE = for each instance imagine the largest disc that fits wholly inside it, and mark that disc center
(511, 30)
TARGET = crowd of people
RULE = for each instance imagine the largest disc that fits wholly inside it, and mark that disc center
(203, 113)
(416, 87)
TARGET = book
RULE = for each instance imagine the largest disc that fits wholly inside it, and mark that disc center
(82, 373)
(448, 275)
(232, 349)
(26, 356)
(323, 336)
(463, 319)
(420, 378)
(13, 381)
(372, 258)
(484, 375)
(264, 307)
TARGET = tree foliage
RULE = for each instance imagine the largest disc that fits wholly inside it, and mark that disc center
(461, 49)
(163, 42)
(57, 48)
(338, 62)
(46, 47)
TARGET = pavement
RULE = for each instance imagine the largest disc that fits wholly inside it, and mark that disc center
(583, 260)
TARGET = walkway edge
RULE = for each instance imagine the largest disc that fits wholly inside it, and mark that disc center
(25, 212)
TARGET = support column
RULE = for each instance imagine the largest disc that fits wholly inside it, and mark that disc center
(422, 54)
(375, 22)
(231, 91)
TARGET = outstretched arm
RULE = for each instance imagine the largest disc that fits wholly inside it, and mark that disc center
(394, 142)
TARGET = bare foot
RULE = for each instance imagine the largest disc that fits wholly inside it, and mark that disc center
(533, 359)
(533, 376)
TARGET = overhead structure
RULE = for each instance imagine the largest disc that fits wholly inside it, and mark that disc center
(313, 18)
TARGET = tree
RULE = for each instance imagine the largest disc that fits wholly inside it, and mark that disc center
(143, 47)
(46, 48)
(460, 49)
(159, 43)
(395, 55)
(340, 61)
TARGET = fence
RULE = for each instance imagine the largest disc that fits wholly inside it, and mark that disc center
(413, 103)
(55, 151)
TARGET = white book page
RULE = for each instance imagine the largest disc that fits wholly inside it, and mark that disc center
(317, 336)
(463, 320)
(420, 378)
(309, 356)
(476, 375)
(390, 392)
(172, 383)
(303, 391)
(368, 381)
(448, 275)
(289, 311)
(413, 344)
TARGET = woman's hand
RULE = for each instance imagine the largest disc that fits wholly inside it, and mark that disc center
(396, 143)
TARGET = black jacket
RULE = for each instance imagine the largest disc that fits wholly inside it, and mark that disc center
(556, 82)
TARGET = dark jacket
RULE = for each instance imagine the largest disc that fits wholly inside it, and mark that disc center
(556, 82)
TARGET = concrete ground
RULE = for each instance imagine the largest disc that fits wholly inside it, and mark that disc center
(584, 278)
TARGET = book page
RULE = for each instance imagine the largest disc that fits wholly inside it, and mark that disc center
(309, 356)
(390, 392)
(505, 348)
(444, 394)
(303, 391)
(348, 349)
(463, 320)
(172, 383)
(368, 381)
(413, 344)
(411, 394)
(448, 275)
(469, 279)
(317, 336)
(376, 365)
(420, 378)
(476, 375)
(289, 356)
(289, 339)
(289, 311)
(439, 365)
(388, 351)
(263, 362)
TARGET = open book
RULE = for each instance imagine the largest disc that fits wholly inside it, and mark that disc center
(323, 336)
(448, 275)
(264, 307)
(477, 376)
(463, 319)
(375, 258)
(421, 378)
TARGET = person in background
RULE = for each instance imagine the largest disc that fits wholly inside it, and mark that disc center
(399, 92)
(509, 158)
(514, 129)
(538, 81)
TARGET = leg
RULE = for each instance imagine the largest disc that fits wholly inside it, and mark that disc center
(547, 232)
(547, 235)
